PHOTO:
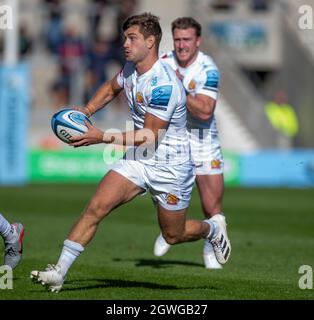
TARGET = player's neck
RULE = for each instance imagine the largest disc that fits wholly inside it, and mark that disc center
(146, 64)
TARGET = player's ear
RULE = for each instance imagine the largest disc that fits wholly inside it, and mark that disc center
(198, 41)
(150, 40)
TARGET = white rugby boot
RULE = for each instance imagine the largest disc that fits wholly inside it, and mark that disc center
(220, 241)
(209, 257)
(52, 277)
(161, 247)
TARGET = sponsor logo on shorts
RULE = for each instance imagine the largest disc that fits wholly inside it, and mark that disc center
(192, 85)
(172, 199)
(215, 164)
(139, 98)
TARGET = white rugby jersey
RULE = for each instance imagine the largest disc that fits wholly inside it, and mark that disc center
(159, 92)
(201, 77)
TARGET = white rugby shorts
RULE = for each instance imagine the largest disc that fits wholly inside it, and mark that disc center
(206, 154)
(170, 185)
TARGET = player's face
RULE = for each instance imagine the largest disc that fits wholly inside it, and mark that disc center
(186, 44)
(135, 46)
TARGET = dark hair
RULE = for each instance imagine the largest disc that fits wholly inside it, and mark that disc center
(185, 23)
(148, 25)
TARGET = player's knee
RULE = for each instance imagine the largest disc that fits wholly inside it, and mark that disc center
(172, 238)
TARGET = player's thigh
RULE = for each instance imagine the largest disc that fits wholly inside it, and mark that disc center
(210, 187)
(171, 222)
(114, 190)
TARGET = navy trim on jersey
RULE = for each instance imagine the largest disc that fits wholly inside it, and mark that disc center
(210, 89)
(158, 107)
(167, 73)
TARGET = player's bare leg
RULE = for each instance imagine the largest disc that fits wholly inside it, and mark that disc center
(176, 229)
(211, 189)
(113, 191)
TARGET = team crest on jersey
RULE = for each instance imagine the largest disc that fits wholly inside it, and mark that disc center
(172, 199)
(139, 97)
(192, 85)
(215, 164)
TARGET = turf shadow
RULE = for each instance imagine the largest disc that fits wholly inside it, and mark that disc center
(118, 283)
(158, 264)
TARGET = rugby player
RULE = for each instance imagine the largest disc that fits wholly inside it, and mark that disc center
(200, 78)
(158, 163)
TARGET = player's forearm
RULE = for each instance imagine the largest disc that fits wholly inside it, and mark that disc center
(131, 138)
(199, 109)
(102, 97)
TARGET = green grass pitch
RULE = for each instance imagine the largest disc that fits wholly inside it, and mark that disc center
(271, 230)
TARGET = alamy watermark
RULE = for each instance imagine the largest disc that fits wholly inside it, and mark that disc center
(305, 21)
(306, 280)
(6, 17)
(168, 147)
(6, 278)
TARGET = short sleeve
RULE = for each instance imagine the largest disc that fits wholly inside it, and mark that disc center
(126, 72)
(162, 102)
(120, 79)
(208, 83)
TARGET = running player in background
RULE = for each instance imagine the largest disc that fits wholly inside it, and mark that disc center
(158, 103)
(12, 235)
(200, 78)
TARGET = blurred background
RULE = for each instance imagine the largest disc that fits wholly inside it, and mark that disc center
(57, 53)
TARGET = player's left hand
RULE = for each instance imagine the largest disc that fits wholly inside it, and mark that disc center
(92, 136)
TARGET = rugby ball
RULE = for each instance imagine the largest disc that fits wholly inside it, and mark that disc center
(68, 123)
